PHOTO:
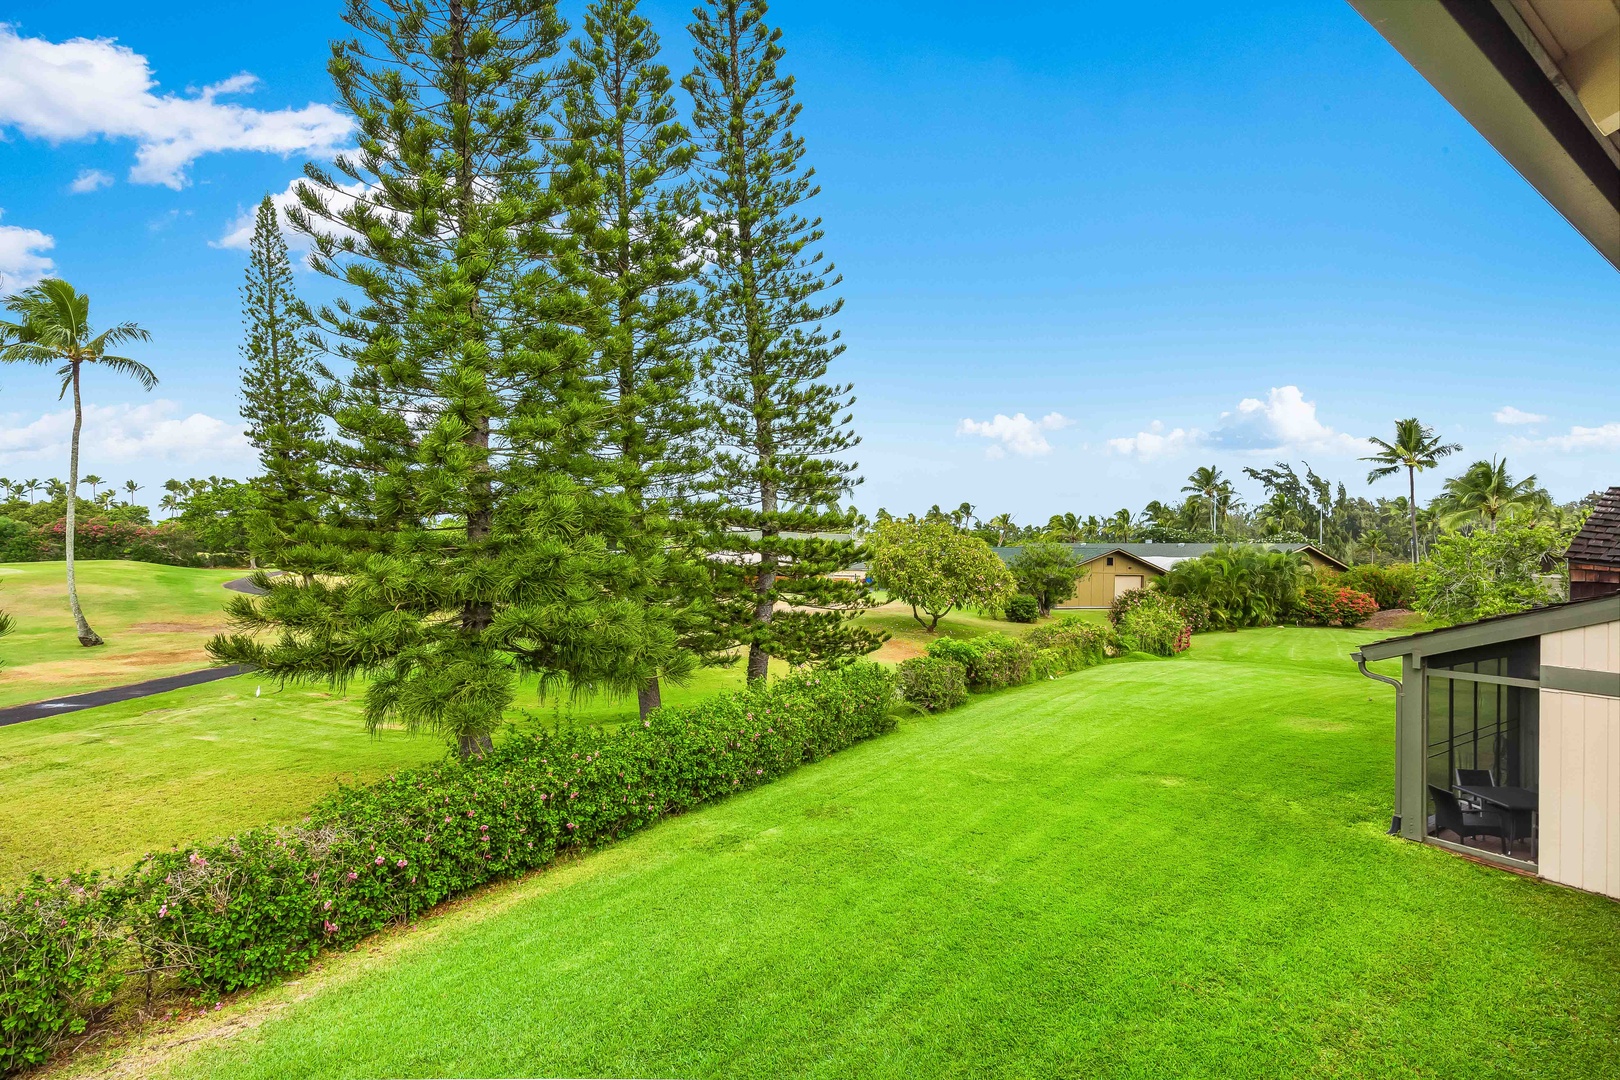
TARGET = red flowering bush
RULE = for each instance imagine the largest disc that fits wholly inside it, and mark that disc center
(99, 538)
(1334, 605)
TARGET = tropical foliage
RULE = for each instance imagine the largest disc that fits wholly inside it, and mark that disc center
(1046, 570)
(1415, 448)
(1487, 493)
(1244, 585)
(936, 568)
(1486, 572)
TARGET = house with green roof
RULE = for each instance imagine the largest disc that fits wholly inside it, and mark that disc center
(1108, 569)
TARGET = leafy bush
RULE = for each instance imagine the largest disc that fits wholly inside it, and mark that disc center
(1242, 585)
(1329, 605)
(992, 661)
(1046, 571)
(238, 912)
(19, 542)
(934, 566)
(1482, 573)
(932, 683)
(1076, 642)
(59, 953)
(1023, 609)
(1155, 628)
(1391, 586)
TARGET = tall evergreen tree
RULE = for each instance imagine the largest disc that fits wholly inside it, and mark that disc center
(783, 432)
(632, 211)
(469, 543)
(279, 395)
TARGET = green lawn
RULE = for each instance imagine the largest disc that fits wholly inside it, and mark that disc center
(99, 787)
(1159, 869)
(155, 620)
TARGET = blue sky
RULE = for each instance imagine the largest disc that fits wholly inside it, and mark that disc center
(1086, 247)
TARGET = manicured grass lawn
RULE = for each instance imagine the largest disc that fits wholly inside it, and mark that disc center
(1157, 869)
(99, 787)
(908, 638)
(155, 620)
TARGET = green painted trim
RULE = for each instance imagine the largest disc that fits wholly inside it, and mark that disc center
(1580, 681)
(1469, 676)
(1534, 623)
(1411, 736)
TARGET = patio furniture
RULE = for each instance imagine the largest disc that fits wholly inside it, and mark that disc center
(1449, 814)
(1466, 778)
(1514, 805)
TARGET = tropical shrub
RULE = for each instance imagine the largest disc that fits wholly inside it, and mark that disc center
(932, 683)
(19, 542)
(1023, 608)
(1047, 571)
(1392, 585)
(60, 948)
(1154, 628)
(992, 661)
(238, 912)
(1076, 642)
(1243, 585)
(936, 567)
(1331, 605)
(1482, 573)
(1193, 609)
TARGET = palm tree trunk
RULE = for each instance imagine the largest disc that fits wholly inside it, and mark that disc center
(1411, 507)
(87, 636)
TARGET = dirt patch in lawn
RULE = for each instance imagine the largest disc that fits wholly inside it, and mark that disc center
(177, 628)
(897, 649)
(1392, 619)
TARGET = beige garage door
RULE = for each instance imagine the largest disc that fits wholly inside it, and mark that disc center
(1124, 583)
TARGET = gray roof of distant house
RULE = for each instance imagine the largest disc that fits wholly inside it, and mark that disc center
(1163, 556)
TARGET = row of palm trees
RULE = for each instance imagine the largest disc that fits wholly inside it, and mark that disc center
(56, 489)
(52, 328)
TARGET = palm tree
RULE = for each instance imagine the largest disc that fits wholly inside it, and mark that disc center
(95, 482)
(1487, 490)
(132, 487)
(1416, 447)
(28, 487)
(1206, 480)
(1064, 528)
(55, 489)
(1003, 524)
(53, 327)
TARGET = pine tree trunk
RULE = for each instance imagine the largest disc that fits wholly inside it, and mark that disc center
(649, 697)
(474, 744)
(87, 637)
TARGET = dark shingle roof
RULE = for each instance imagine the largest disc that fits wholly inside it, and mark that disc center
(1599, 539)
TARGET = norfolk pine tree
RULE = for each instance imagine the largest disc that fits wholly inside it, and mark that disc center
(781, 432)
(469, 544)
(632, 211)
(279, 392)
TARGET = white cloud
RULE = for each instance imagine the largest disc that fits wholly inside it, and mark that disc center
(120, 434)
(23, 261)
(239, 232)
(1018, 433)
(1284, 421)
(1507, 414)
(1156, 442)
(86, 88)
(1603, 437)
(89, 180)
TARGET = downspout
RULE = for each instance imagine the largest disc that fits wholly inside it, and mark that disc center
(1400, 693)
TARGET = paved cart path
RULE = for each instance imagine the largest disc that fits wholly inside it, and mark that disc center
(17, 714)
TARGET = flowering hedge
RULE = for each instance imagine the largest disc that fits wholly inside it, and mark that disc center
(99, 538)
(1331, 605)
(241, 911)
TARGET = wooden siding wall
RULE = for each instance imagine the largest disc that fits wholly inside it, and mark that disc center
(1580, 791)
(1096, 589)
(1580, 766)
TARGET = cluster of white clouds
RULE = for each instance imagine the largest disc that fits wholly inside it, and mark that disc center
(86, 88)
(1508, 414)
(153, 431)
(1017, 433)
(1285, 420)
(22, 257)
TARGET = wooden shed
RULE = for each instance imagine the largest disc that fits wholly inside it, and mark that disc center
(1107, 570)
(1507, 740)
(1594, 554)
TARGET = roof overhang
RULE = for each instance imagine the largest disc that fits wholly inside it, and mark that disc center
(1540, 79)
(1533, 623)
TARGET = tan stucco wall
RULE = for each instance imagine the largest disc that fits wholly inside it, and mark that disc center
(1096, 588)
(1580, 790)
(1590, 648)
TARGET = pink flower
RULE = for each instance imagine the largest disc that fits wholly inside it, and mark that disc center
(327, 906)
(353, 875)
(163, 912)
(483, 828)
(331, 927)
(400, 864)
(571, 825)
(379, 860)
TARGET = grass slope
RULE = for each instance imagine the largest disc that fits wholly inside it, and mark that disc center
(155, 619)
(1171, 868)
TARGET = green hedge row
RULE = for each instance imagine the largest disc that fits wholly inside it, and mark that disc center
(262, 904)
(940, 680)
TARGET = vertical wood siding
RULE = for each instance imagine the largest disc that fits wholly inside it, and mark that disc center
(1593, 648)
(1580, 787)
